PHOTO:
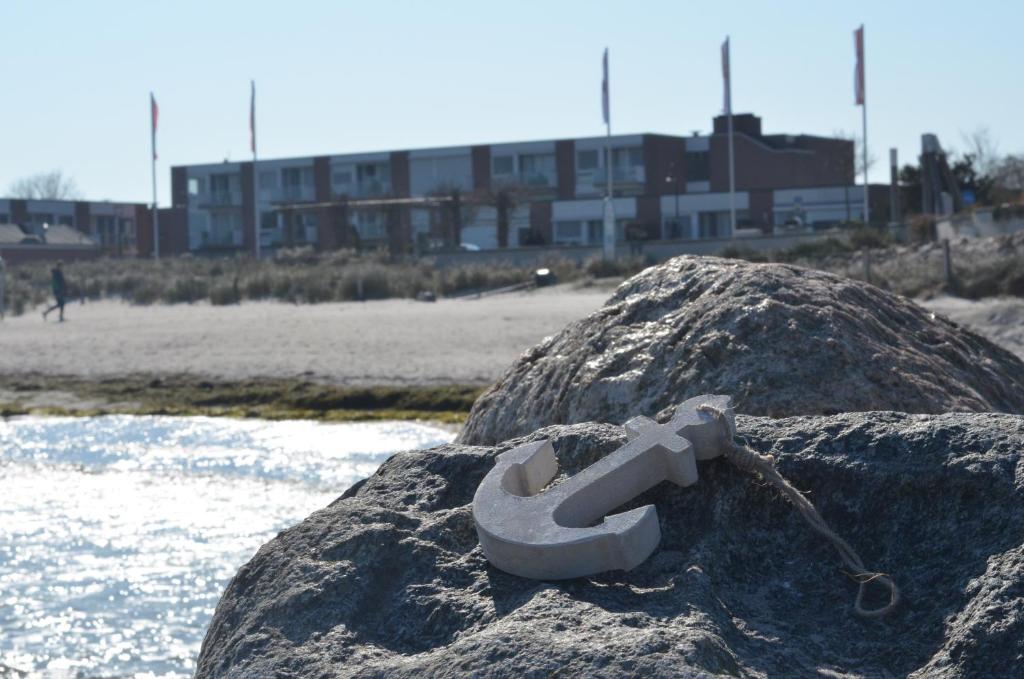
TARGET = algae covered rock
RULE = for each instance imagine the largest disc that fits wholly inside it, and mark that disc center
(389, 579)
(781, 339)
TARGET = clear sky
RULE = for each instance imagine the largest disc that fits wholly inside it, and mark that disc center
(335, 77)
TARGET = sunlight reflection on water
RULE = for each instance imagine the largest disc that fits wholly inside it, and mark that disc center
(118, 533)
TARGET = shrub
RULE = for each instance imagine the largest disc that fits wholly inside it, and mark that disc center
(223, 294)
(145, 292)
(867, 237)
(188, 290)
(922, 229)
(747, 254)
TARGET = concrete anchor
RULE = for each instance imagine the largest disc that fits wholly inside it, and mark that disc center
(558, 533)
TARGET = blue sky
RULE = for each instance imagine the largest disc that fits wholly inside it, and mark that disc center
(336, 77)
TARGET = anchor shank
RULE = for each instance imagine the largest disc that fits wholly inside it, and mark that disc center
(611, 482)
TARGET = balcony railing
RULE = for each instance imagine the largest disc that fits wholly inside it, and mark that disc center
(620, 175)
(221, 198)
(535, 179)
(369, 188)
(293, 194)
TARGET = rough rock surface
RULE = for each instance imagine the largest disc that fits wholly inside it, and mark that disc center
(781, 339)
(389, 580)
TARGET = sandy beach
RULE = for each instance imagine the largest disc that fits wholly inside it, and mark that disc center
(265, 359)
(380, 343)
(1000, 319)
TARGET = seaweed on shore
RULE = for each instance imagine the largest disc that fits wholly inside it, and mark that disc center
(266, 397)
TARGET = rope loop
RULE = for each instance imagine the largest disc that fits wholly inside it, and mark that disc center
(747, 459)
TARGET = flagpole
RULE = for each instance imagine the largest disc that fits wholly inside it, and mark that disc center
(609, 205)
(255, 197)
(152, 158)
(610, 209)
(864, 126)
(732, 156)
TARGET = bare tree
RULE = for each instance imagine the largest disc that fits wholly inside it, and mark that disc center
(1008, 175)
(53, 185)
(983, 149)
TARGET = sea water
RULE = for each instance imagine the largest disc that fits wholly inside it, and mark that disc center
(118, 534)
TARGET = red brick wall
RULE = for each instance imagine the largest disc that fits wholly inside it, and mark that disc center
(399, 230)
(760, 210)
(481, 160)
(173, 231)
(179, 187)
(648, 215)
(18, 254)
(742, 123)
(540, 219)
(322, 179)
(332, 227)
(401, 184)
(565, 163)
(19, 212)
(326, 227)
(248, 211)
(82, 217)
(660, 153)
(143, 231)
(818, 163)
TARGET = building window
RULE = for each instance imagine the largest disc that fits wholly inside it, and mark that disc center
(220, 183)
(587, 160)
(194, 186)
(342, 178)
(631, 156)
(291, 177)
(4, 218)
(537, 169)
(698, 166)
(676, 228)
(268, 221)
(503, 166)
(716, 224)
(373, 179)
(568, 232)
(128, 231)
(268, 180)
(105, 229)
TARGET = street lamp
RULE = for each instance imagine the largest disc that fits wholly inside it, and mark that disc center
(674, 176)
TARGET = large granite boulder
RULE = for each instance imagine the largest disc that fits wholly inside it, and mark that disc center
(389, 580)
(782, 339)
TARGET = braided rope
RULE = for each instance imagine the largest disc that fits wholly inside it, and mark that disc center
(749, 460)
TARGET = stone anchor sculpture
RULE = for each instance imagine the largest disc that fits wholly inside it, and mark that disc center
(559, 533)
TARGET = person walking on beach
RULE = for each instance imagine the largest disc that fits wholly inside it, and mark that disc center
(59, 286)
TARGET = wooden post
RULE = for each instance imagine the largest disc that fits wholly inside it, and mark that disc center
(947, 262)
(457, 218)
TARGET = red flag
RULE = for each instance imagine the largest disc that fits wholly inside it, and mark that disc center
(858, 72)
(252, 118)
(605, 106)
(727, 86)
(154, 111)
